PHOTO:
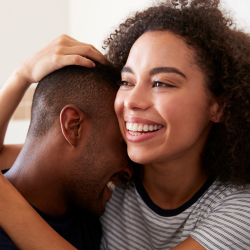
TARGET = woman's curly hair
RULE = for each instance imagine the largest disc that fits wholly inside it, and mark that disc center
(223, 54)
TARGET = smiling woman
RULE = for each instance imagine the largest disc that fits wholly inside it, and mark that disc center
(183, 110)
(189, 78)
(165, 89)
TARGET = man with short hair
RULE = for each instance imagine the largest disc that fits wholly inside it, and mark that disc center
(74, 153)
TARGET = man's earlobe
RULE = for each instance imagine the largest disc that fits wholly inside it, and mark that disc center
(71, 119)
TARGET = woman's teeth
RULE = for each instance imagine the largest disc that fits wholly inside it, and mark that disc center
(111, 186)
(135, 127)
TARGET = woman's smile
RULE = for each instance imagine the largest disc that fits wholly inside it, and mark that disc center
(141, 132)
(140, 129)
(162, 105)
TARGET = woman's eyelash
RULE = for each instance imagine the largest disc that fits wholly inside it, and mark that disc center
(155, 84)
(120, 83)
(161, 84)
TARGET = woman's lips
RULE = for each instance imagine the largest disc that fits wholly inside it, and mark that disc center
(140, 127)
(139, 136)
(134, 119)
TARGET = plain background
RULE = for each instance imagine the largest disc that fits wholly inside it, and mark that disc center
(28, 25)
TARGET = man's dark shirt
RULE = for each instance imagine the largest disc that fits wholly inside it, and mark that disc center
(81, 229)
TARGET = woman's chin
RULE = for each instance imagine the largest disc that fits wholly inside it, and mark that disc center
(139, 157)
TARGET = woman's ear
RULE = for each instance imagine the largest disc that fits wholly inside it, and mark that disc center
(71, 120)
(217, 108)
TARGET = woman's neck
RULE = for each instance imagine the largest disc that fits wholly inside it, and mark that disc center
(173, 183)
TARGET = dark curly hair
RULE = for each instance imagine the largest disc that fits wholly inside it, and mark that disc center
(223, 54)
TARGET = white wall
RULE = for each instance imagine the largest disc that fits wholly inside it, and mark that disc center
(240, 11)
(26, 26)
(92, 21)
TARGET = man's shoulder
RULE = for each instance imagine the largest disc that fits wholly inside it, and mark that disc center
(5, 241)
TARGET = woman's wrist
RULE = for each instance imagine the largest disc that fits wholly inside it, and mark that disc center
(20, 79)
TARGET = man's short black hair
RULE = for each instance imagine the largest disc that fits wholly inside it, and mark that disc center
(92, 90)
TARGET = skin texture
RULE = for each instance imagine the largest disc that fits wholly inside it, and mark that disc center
(16, 211)
(178, 102)
(86, 182)
(8, 155)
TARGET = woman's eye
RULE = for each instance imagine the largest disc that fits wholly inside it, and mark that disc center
(161, 84)
(124, 83)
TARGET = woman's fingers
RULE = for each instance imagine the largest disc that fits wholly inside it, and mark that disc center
(62, 61)
(84, 51)
(61, 52)
(67, 41)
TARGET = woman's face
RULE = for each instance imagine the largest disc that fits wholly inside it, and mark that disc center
(163, 107)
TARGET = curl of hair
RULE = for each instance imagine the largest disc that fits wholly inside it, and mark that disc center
(223, 54)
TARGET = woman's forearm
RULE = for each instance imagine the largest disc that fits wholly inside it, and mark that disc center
(10, 96)
(24, 225)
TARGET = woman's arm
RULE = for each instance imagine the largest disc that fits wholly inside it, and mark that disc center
(13, 90)
(189, 244)
(19, 220)
(8, 155)
(61, 52)
(23, 224)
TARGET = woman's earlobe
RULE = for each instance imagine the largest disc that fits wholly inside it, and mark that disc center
(214, 118)
(218, 115)
(218, 106)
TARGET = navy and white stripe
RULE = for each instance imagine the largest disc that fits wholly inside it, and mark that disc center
(218, 217)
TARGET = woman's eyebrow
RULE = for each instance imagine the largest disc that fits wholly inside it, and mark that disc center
(167, 70)
(155, 71)
(127, 69)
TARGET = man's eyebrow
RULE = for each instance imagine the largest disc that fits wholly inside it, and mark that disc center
(155, 71)
(127, 69)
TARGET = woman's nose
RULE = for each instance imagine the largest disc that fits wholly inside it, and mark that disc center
(138, 98)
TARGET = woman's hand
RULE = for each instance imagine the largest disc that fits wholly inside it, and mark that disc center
(61, 52)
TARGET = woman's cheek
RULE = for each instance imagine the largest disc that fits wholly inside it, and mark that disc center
(119, 104)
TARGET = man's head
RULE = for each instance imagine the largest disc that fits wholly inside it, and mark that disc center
(92, 90)
(73, 110)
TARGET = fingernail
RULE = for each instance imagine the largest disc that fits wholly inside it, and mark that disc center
(93, 64)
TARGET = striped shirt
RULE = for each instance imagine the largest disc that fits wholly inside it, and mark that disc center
(217, 216)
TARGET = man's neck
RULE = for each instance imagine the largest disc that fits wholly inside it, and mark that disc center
(34, 175)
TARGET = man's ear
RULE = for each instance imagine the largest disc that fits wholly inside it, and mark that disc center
(71, 119)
